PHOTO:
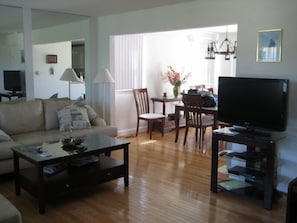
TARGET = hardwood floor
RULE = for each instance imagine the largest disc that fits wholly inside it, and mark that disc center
(169, 182)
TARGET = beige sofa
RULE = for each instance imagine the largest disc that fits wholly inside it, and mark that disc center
(37, 121)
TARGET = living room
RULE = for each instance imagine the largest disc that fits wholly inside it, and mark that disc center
(251, 17)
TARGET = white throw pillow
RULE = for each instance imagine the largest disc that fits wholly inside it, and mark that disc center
(4, 136)
(80, 102)
(73, 116)
(91, 112)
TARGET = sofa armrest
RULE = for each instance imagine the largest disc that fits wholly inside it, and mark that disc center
(98, 122)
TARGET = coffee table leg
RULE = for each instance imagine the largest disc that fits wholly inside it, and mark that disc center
(16, 174)
(41, 196)
(126, 165)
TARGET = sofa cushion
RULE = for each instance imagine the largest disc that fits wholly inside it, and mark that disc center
(9, 213)
(5, 149)
(4, 136)
(21, 117)
(73, 116)
(39, 137)
(51, 106)
(91, 112)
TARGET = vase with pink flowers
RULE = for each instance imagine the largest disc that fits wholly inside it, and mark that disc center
(176, 79)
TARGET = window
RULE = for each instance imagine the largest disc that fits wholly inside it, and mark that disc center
(128, 55)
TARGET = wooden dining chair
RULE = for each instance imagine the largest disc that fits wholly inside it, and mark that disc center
(195, 118)
(143, 111)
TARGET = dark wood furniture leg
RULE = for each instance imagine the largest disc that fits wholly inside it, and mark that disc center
(214, 164)
(41, 195)
(126, 165)
(268, 180)
(176, 124)
(16, 174)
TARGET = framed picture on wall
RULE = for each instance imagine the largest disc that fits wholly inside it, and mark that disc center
(51, 58)
(269, 45)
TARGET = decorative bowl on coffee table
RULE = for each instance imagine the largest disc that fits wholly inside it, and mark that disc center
(72, 143)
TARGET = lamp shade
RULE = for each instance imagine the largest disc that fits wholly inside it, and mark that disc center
(69, 75)
(104, 77)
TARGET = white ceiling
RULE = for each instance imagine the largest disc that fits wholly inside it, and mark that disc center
(48, 12)
(91, 7)
(11, 18)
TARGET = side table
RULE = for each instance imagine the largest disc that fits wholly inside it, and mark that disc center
(170, 121)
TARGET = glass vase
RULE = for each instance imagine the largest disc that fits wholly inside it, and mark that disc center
(176, 91)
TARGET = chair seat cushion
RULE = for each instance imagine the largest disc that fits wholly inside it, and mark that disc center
(151, 116)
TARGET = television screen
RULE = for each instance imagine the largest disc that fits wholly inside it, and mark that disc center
(253, 103)
(12, 80)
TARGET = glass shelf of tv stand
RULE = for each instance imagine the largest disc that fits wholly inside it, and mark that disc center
(254, 134)
(9, 95)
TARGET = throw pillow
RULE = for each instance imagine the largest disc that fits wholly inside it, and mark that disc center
(80, 102)
(73, 116)
(54, 96)
(91, 112)
(4, 136)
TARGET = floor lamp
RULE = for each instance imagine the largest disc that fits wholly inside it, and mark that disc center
(70, 76)
(104, 78)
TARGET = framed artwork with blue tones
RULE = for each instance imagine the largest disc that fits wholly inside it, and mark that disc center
(269, 45)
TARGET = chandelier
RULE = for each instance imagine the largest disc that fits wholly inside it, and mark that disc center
(226, 48)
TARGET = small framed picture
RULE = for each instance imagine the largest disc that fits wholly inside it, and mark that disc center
(51, 58)
(269, 45)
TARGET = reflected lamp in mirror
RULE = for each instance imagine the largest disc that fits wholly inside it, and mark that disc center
(70, 76)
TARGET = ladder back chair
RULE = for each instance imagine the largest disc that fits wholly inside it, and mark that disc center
(195, 117)
(143, 111)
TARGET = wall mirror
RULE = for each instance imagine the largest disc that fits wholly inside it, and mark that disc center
(53, 33)
(11, 46)
(65, 36)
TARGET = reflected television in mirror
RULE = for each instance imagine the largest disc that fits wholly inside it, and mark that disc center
(13, 80)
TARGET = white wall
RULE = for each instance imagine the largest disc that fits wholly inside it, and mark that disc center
(251, 16)
(47, 84)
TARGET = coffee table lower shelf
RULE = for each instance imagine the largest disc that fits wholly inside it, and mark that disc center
(72, 178)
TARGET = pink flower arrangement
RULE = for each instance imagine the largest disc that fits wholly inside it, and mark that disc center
(176, 78)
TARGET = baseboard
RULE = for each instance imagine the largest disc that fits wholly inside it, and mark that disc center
(125, 132)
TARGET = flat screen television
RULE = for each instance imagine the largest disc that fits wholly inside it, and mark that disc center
(253, 103)
(13, 80)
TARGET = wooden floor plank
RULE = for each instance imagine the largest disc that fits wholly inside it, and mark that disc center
(169, 182)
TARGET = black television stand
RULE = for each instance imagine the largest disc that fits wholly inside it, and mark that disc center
(262, 177)
(10, 95)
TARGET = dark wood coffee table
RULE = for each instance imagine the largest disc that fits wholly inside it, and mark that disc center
(72, 178)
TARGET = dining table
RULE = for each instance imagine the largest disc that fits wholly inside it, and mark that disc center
(179, 107)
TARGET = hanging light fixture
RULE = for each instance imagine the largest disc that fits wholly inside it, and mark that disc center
(211, 50)
(226, 48)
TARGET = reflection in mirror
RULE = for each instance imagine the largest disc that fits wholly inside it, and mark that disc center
(63, 36)
(11, 53)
